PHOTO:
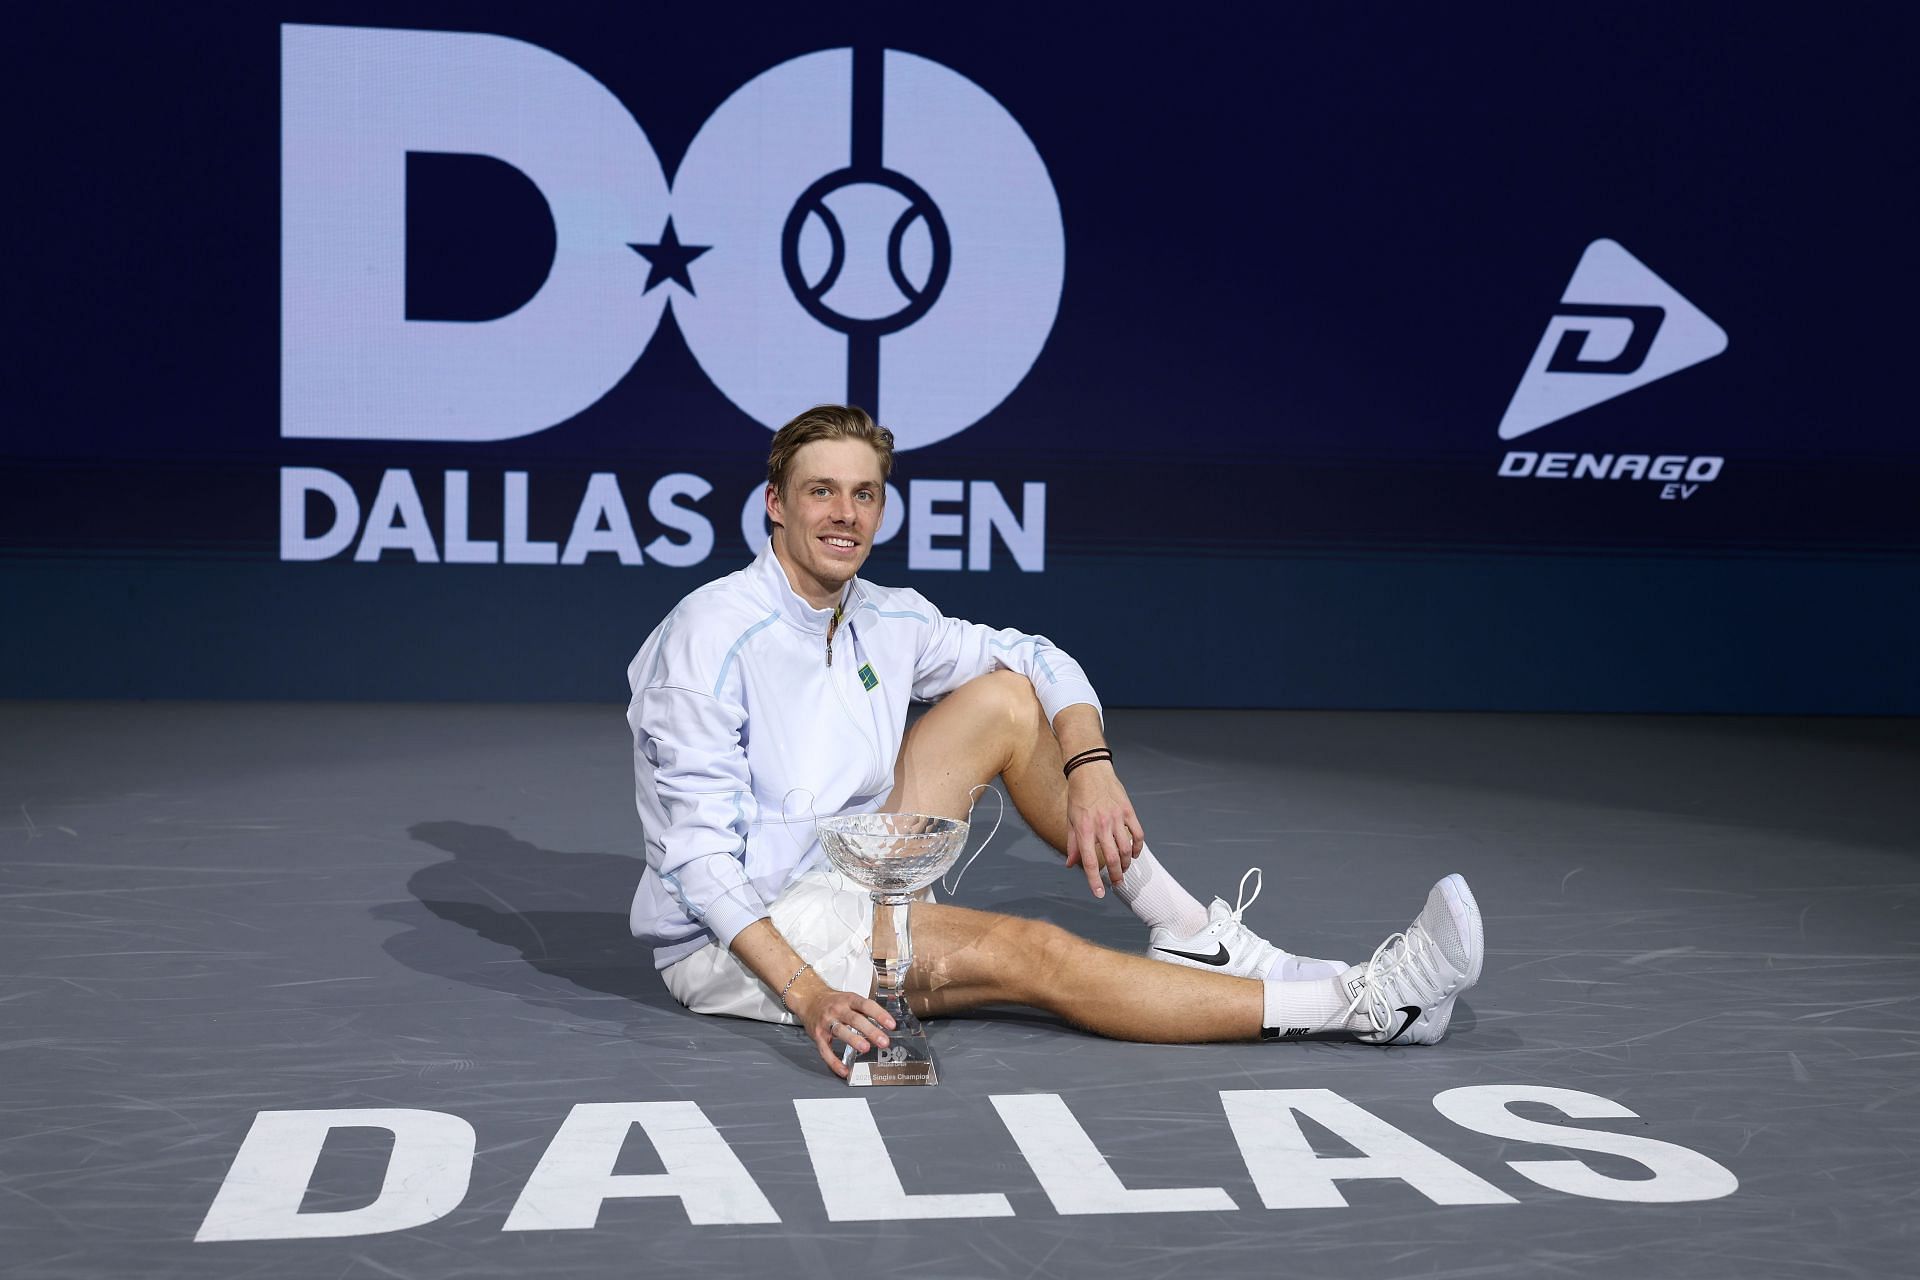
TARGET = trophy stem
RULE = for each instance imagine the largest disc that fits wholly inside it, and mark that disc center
(892, 948)
(908, 1059)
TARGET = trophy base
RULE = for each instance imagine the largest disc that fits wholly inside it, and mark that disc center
(907, 1059)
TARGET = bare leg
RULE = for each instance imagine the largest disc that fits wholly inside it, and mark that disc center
(964, 959)
(990, 727)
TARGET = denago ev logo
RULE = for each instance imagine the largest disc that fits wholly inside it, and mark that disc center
(1618, 327)
(868, 227)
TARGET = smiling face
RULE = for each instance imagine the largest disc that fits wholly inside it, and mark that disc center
(826, 518)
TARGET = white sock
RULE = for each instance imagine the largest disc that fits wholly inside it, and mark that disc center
(1296, 1008)
(1292, 968)
(1157, 898)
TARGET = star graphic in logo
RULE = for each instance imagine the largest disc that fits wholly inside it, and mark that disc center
(669, 259)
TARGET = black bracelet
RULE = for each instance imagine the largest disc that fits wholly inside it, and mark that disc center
(1093, 755)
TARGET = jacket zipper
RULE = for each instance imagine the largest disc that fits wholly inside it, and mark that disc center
(869, 733)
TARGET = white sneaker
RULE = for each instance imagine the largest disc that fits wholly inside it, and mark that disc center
(1405, 994)
(1228, 946)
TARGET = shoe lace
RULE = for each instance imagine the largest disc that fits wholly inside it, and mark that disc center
(1410, 955)
(1232, 931)
(1241, 899)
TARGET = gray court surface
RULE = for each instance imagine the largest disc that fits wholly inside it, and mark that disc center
(212, 916)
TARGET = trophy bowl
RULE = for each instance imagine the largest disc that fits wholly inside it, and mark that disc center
(892, 853)
(893, 856)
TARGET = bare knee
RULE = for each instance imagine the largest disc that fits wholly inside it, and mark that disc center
(991, 957)
(1008, 697)
(1047, 954)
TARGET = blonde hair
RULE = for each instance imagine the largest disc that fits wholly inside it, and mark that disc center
(826, 422)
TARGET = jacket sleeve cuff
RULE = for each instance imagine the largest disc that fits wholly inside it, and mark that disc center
(731, 912)
(1055, 698)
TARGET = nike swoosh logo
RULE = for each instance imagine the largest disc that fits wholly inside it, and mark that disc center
(1408, 1012)
(1218, 958)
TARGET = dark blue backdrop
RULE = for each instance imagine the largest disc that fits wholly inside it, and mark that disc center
(1308, 258)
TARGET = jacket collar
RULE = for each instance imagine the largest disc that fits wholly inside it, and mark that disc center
(788, 602)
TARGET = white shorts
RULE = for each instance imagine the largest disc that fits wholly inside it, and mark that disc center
(823, 915)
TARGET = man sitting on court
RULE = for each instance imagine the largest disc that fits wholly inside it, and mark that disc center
(790, 680)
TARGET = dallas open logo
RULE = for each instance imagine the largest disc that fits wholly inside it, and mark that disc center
(850, 225)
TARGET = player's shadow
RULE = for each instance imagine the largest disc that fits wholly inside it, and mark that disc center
(538, 924)
(550, 928)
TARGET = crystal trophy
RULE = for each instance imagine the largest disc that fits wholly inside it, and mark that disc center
(893, 856)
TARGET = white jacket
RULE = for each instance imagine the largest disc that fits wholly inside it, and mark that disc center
(739, 710)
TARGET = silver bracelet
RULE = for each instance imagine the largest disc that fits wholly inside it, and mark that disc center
(790, 981)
